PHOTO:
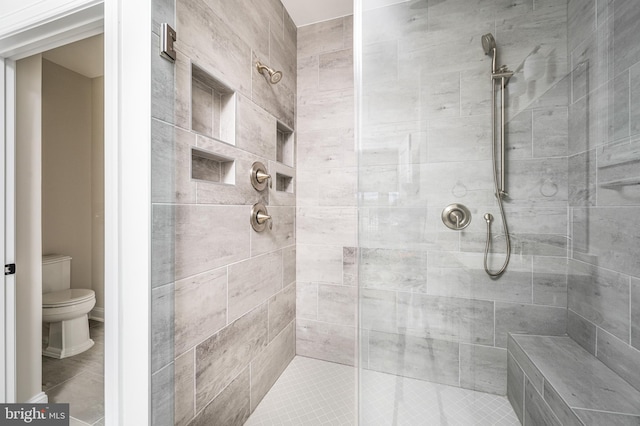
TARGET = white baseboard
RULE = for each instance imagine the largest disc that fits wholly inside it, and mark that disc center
(40, 398)
(97, 314)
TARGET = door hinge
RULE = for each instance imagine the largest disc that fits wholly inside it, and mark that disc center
(168, 36)
(10, 269)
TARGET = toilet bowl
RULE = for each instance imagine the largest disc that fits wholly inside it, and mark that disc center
(65, 310)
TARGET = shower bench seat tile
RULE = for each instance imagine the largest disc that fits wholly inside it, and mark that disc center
(555, 381)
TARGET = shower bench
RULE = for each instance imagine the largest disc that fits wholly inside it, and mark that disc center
(551, 380)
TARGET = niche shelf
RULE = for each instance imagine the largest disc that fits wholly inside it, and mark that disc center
(209, 167)
(213, 107)
(284, 148)
(284, 183)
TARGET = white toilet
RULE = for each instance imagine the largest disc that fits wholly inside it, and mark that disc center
(65, 309)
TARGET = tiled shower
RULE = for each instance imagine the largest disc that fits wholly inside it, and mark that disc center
(358, 268)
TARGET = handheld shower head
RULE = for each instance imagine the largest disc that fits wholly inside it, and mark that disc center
(274, 76)
(488, 43)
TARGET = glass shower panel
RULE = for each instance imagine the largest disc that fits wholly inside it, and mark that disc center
(433, 325)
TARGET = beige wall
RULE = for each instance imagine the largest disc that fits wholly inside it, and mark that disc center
(28, 220)
(72, 221)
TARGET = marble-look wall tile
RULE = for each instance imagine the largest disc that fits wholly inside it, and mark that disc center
(282, 233)
(550, 132)
(162, 335)
(336, 70)
(374, 54)
(252, 282)
(279, 196)
(337, 304)
(202, 31)
(329, 342)
(603, 418)
(634, 118)
(536, 410)
(582, 21)
(306, 300)
(626, 35)
(278, 99)
(161, 400)
(483, 368)
(223, 356)
(559, 407)
(326, 110)
(163, 162)
(460, 139)
(318, 263)
(446, 318)
(267, 367)
(538, 181)
(184, 388)
(600, 296)
(582, 331)
(534, 376)
(378, 310)
(582, 179)
(402, 99)
(439, 96)
(515, 386)
(282, 310)
(249, 22)
(163, 245)
(327, 36)
(620, 357)
(200, 308)
(531, 319)
(416, 357)
(350, 266)
(328, 187)
(288, 265)
(620, 114)
(209, 236)
(231, 406)
(618, 163)
(326, 148)
(635, 313)
(256, 129)
(550, 281)
(327, 225)
(393, 269)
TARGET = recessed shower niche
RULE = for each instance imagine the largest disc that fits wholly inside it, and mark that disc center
(209, 167)
(284, 148)
(213, 107)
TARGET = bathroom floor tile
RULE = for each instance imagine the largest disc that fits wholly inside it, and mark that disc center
(85, 395)
(313, 392)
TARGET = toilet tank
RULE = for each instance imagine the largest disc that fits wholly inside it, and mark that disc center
(56, 273)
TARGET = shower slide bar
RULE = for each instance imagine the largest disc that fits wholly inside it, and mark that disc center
(499, 77)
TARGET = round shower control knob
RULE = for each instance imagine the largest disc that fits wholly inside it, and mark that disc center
(456, 216)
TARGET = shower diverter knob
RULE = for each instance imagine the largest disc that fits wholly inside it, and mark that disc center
(456, 216)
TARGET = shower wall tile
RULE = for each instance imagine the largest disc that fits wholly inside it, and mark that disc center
(515, 385)
(307, 300)
(184, 390)
(582, 179)
(252, 282)
(374, 54)
(538, 181)
(453, 319)
(326, 225)
(329, 342)
(163, 72)
(202, 31)
(267, 367)
(393, 22)
(404, 270)
(336, 70)
(612, 239)
(282, 310)
(528, 319)
(327, 36)
(200, 308)
(209, 236)
(459, 139)
(620, 357)
(225, 355)
(162, 350)
(536, 410)
(440, 96)
(162, 245)
(162, 162)
(278, 99)
(600, 296)
(634, 104)
(378, 310)
(415, 357)
(319, 263)
(582, 21)
(350, 266)
(620, 101)
(635, 313)
(231, 406)
(483, 368)
(328, 187)
(550, 281)
(475, 99)
(582, 331)
(326, 148)
(402, 98)
(249, 22)
(255, 129)
(161, 401)
(326, 110)
(288, 265)
(626, 35)
(519, 136)
(307, 73)
(618, 162)
(281, 235)
(337, 304)
(523, 244)
(550, 132)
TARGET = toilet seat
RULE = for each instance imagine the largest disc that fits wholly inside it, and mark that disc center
(68, 297)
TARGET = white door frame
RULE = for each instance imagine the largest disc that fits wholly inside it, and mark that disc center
(42, 26)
